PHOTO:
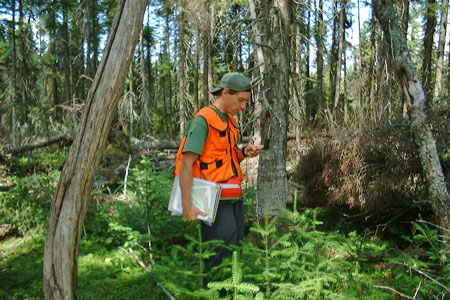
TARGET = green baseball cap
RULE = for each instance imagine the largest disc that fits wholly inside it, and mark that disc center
(233, 81)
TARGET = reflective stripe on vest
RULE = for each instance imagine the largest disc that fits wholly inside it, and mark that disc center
(220, 150)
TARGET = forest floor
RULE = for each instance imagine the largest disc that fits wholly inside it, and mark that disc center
(305, 253)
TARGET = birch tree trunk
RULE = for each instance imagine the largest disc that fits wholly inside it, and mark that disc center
(75, 184)
(431, 167)
(272, 177)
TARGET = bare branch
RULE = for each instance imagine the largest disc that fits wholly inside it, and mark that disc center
(393, 290)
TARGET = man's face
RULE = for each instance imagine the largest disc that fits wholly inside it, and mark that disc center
(235, 102)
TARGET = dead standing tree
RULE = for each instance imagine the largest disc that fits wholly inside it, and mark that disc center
(76, 181)
(410, 83)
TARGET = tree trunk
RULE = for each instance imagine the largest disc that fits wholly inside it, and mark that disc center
(438, 195)
(405, 15)
(130, 95)
(272, 177)
(89, 68)
(361, 89)
(341, 35)
(318, 35)
(181, 69)
(13, 84)
(440, 53)
(333, 57)
(78, 61)
(151, 79)
(448, 76)
(235, 42)
(54, 76)
(301, 90)
(75, 184)
(430, 25)
(303, 48)
(261, 68)
(196, 66)
(211, 28)
(372, 66)
(23, 70)
(147, 114)
(206, 53)
(66, 58)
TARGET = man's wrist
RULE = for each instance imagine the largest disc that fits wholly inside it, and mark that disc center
(243, 152)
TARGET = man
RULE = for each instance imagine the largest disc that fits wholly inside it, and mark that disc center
(209, 151)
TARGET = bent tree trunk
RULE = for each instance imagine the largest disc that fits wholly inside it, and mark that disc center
(75, 184)
(431, 166)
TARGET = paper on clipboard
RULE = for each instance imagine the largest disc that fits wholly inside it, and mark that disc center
(205, 195)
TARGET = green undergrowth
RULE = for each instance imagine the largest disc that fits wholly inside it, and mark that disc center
(132, 248)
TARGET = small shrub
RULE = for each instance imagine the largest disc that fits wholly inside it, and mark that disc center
(27, 204)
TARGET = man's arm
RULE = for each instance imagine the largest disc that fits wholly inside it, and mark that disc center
(250, 151)
(190, 212)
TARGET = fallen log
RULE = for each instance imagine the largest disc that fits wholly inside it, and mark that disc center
(142, 147)
(62, 140)
(5, 188)
(66, 140)
(139, 150)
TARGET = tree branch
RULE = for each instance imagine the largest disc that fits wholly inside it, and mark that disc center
(147, 270)
(393, 290)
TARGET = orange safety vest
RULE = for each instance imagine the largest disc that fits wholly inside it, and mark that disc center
(219, 153)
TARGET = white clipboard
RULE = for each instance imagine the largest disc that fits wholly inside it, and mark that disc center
(205, 195)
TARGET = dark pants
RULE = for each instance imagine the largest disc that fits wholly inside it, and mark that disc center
(228, 227)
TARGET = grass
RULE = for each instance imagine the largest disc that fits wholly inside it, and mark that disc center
(21, 267)
(102, 274)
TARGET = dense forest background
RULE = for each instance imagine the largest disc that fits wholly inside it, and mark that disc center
(340, 70)
(326, 89)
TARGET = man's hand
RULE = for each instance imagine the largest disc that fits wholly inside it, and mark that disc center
(190, 213)
(254, 150)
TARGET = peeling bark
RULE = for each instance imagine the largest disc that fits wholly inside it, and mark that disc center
(76, 181)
